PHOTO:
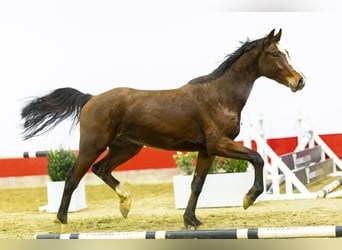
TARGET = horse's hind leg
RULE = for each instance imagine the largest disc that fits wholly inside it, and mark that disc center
(85, 158)
(118, 153)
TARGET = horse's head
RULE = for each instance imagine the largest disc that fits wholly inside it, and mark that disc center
(275, 63)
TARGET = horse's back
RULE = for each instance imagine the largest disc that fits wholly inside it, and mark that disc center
(124, 98)
(155, 118)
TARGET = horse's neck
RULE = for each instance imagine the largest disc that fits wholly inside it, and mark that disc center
(237, 82)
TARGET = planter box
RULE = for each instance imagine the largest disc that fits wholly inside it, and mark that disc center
(219, 190)
(55, 192)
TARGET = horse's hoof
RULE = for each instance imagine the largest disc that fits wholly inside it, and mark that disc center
(193, 224)
(251, 196)
(247, 202)
(125, 206)
(64, 228)
(125, 199)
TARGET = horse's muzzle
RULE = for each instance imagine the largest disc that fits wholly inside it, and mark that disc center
(300, 84)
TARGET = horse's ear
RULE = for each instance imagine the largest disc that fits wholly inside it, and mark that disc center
(272, 38)
(271, 35)
(277, 36)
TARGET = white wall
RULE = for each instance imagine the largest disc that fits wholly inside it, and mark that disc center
(92, 46)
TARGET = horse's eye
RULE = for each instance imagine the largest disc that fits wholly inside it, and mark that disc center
(276, 54)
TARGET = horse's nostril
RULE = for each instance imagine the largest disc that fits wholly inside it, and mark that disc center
(301, 83)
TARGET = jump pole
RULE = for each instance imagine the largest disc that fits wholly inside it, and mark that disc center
(27, 154)
(335, 194)
(247, 233)
(329, 188)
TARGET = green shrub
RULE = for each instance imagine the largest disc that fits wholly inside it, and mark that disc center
(60, 162)
(186, 162)
(230, 165)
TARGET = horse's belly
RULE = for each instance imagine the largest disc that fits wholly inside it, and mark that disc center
(177, 145)
(167, 141)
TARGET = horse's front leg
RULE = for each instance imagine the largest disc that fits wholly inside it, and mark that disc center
(258, 186)
(202, 167)
(226, 147)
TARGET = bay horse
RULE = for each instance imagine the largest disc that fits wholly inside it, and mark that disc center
(202, 115)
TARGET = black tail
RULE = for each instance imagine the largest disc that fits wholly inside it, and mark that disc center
(44, 113)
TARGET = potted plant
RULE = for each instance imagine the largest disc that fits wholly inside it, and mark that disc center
(226, 184)
(60, 162)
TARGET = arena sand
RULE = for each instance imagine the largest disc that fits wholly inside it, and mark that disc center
(153, 209)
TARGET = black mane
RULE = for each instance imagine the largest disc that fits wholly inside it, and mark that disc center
(228, 62)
